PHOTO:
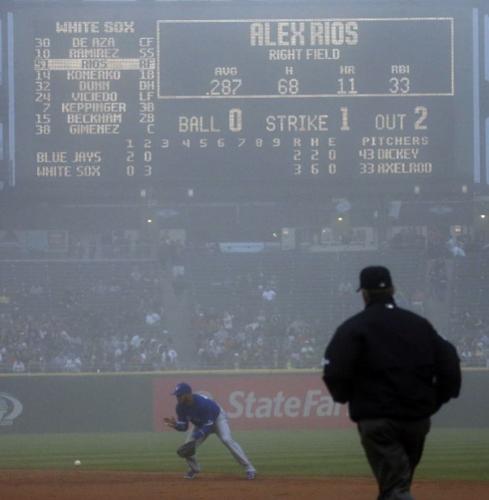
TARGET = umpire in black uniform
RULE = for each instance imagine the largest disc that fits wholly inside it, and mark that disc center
(395, 371)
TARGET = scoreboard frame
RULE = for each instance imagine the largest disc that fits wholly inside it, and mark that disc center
(211, 161)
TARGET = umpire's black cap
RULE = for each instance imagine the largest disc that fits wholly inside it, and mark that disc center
(375, 278)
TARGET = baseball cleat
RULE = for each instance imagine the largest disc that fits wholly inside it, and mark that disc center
(250, 475)
(190, 474)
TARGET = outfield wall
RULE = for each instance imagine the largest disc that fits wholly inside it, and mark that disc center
(281, 399)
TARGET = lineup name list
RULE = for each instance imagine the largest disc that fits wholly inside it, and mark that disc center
(95, 106)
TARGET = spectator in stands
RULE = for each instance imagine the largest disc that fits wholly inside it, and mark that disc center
(165, 251)
(73, 364)
(438, 279)
(172, 359)
(345, 288)
(18, 366)
(417, 301)
(152, 318)
(179, 285)
(4, 298)
(455, 247)
(435, 243)
(268, 295)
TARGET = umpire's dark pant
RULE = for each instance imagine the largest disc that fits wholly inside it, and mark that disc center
(393, 449)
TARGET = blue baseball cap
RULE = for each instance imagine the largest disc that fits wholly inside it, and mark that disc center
(182, 389)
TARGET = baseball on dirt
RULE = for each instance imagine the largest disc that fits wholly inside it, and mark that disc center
(77, 463)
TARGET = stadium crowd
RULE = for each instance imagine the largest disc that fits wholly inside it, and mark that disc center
(277, 314)
(233, 340)
(98, 324)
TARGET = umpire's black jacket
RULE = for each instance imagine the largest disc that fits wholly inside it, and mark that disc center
(387, 362)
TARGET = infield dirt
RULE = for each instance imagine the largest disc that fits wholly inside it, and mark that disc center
(88, 485)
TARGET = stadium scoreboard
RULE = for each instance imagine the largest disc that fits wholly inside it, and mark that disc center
(331, 94)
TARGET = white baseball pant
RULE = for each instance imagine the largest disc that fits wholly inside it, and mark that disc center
(223, 432)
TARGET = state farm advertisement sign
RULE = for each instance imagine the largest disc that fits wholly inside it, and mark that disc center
(258, 401)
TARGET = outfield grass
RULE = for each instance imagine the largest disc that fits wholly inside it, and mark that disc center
(450, 454)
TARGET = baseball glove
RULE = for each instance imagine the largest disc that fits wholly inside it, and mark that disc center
(187, 450)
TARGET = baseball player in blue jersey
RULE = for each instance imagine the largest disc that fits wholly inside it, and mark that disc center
(207, 418)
